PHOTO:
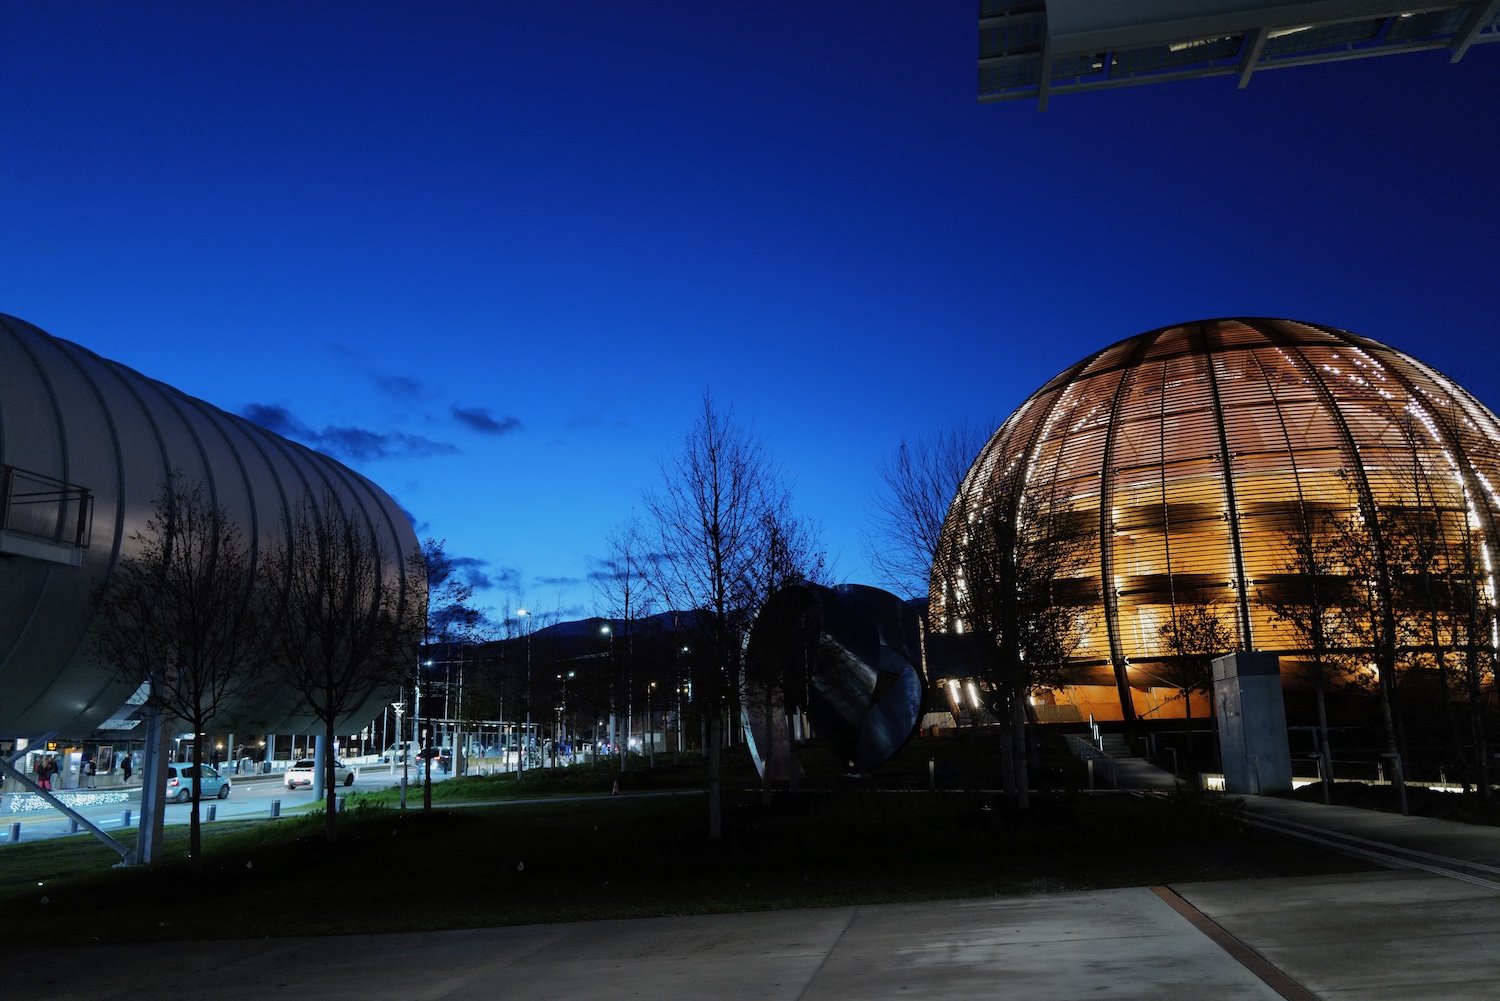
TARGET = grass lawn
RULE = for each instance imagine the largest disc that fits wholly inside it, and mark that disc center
(842, 840)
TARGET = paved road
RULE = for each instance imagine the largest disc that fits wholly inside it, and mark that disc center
(250, 797)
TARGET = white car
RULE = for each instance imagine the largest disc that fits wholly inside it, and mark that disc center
(301, 774)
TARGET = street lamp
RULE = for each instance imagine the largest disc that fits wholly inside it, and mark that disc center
(562, 714)
(522, 613)
(682, 689)
(400, 708)
(614, 713)
(650, 726)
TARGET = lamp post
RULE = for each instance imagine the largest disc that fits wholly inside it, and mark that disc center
(649, 733)
(682, 689)
(522, 613)
(609, 656)
(563, 730)
(417, 690)
(400, 708)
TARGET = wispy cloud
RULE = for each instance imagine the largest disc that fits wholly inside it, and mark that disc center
(417, 526)
(480, 576)
(345, 441)
(559, 581)
(402, 387)
(481, 420)
(613, 570)
(277, 419)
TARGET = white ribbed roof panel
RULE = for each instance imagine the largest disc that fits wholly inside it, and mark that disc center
(71, 417)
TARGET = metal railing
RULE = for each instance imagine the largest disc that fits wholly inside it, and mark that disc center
(45, 508)
(1100, 765)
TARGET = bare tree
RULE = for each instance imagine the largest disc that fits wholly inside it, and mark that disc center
(708, 519)
(1309, 604)
(1005, 579)
(451, 628)
(625, 597)
(349, 627)
(1470, 606)
(1196, 635)
(918, 485)
(790, 551)
(1368, 545)
(182, 615)
(1471, 616)
(450, 616)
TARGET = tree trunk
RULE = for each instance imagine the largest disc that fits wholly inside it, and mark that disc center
(1019, 755)
(1473, 676)
(770, 748)
(195, 818)
(1325, 755)
(330, 786)
(1007, 722)
(1392, 742)
(1455, 725)
(715, 808)
(1187, 722)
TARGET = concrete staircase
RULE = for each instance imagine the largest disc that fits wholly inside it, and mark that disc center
(1115, 745)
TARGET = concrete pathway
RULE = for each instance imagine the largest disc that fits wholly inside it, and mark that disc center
(1408, 933)
(1376, 935)
(1115, 943)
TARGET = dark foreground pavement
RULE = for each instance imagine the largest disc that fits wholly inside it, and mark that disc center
(1423, 931)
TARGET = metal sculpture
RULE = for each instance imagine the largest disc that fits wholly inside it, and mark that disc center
(850, 656)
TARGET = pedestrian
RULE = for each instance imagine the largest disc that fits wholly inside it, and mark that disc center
(90, 769)
(125, 767)
(44, 770)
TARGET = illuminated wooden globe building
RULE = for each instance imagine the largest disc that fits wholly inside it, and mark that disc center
(1263, 472)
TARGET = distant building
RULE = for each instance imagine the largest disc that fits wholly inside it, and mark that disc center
(1188, 461)
(1032, 50)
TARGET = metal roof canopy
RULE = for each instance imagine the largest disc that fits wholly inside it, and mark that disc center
(1037, 48)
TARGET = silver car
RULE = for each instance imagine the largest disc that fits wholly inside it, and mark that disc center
(301, 774)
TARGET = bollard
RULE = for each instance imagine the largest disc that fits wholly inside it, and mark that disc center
(275, 808)
(341, 805)
(932, 774)
(1091, 774)
(125, 818)
(213, 812)
(15, 833)
(73, 825)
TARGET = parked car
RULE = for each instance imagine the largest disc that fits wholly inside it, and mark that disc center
(301, 774)
(180, 783)
(397, 752)
(442, 758)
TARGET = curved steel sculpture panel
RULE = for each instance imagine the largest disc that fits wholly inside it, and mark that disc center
(851, 655)
(86, 445)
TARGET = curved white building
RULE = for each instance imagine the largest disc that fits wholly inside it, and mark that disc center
(86, 445)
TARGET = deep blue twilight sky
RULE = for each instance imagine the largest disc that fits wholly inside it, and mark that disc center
(492, 254)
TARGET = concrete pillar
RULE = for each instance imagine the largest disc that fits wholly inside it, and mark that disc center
(1252, 724)
(320, 759)
(153, 790)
